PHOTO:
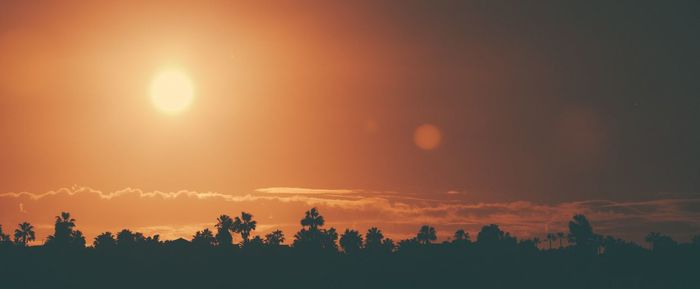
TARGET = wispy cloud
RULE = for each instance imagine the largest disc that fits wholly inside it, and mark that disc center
(304, 191)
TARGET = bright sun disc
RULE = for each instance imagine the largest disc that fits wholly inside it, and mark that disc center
(172, 91)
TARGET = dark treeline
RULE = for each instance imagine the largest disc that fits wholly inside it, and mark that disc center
(320, 257)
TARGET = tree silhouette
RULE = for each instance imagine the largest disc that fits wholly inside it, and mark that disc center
(351, 241)
(695, 240)
(329, 239)
(255, 242)
(426, 234)
(312, 219)
(275, 238)
(461, 237)
(492, 237)
(495, 253)
(550, 238)
(529, 244)
(4, 238)
(244, 225)
(204, 238)
(660, 242)
(77, 239)
(408, 244)
(388, 245)
(64, 236)
(125, 238)
(63, 230)
(24, 234)
(560, 236)
(150, 241)
(490, 234)
(374, 238)
(224, 226)
(105, 241)
(311, 236)
(581, 233)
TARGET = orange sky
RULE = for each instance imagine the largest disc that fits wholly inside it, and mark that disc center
(328, 96)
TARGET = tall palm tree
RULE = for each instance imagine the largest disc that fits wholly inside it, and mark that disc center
(24, 234)
(224, 226)
(550, 238)
(244, 225)
(275, 238)
(4, 238)
(66, 220)
(560, 236)
(351, 241)
(374, 238)
(63, 229)
(426, 234)
(312, 219)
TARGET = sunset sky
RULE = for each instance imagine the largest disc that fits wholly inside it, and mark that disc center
(380, 113)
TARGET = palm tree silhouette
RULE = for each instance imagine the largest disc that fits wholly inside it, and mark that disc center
(312, 219)
(4, 238)
(426, 234)
(374, 238)
(550, 238)
(275, 238)
(24, 234)
(244, 225)
(105, 240)
(224, 226)
(204, 238)
(536, 241)
(65, 220)
(63, 231)
(560, 236)
(351, 241)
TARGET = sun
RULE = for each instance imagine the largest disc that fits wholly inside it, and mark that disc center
(172, 91)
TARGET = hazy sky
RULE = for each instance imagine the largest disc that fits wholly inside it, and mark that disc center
(553, 104)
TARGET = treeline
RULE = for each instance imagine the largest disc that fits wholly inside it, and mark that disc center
(229, 256)
(313, 236)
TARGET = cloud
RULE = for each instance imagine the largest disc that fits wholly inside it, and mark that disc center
(180, 213)
(303, 191)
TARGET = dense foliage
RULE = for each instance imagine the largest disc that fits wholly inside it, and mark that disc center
(320, 258)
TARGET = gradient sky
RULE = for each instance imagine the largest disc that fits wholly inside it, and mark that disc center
(544, 109)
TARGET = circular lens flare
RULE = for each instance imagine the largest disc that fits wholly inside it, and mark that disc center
(427, 137)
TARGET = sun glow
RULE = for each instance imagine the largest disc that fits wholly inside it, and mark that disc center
(172, 91)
